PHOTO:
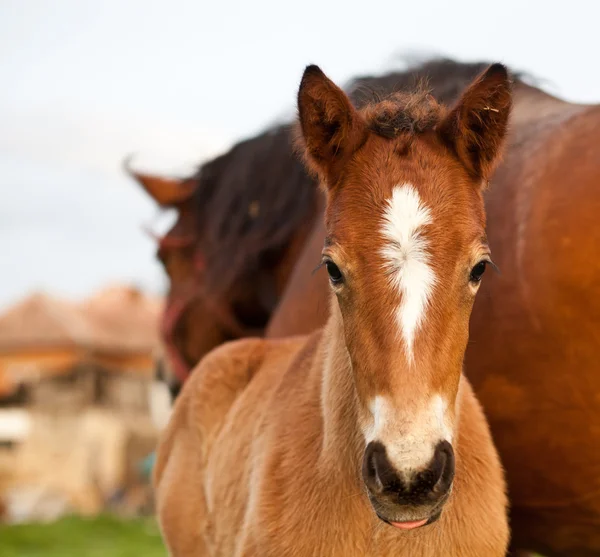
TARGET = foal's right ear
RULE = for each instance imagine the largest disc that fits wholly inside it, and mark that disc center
(331, 127)
(476, 127)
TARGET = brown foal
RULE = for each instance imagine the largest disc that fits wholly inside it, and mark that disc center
(363, 438)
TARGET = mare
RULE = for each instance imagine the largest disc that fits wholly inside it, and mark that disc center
(363, 438)
(242, 219)
(534, 351)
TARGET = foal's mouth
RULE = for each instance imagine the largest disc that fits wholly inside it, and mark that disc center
(412, 524)
(407, 518)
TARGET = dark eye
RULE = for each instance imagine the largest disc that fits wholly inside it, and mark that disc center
(334, 272)
(477, 271)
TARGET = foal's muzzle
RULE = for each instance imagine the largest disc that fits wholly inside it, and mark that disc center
(409, 496)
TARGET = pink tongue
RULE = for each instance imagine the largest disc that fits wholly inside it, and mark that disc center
(409, 525)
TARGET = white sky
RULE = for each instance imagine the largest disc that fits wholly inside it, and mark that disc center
(85, 83)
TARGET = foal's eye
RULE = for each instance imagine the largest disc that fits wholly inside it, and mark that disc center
(477, 271)
(335, 275)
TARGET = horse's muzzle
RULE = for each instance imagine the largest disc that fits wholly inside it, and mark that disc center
(414, 497)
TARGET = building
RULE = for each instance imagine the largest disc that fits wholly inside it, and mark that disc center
(74, 391)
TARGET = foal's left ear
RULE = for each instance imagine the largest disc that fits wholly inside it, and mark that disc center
(476, 127)
(331, 127)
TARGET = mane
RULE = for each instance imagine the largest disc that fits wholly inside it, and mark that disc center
(442, 78)
(249, 203)
(251, 200)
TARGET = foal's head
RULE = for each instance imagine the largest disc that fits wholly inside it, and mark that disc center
(405, 251)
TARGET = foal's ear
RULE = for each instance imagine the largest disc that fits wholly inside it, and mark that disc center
(331, 127)
(475, 128)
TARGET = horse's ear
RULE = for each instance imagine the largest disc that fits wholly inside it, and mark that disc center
(167, 192)
(331, 127)
(476, 127)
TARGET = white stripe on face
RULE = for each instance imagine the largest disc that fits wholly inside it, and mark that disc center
(407, 258)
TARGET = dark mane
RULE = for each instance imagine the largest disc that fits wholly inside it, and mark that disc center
(443, 78)
(249, 203)
(251, 200)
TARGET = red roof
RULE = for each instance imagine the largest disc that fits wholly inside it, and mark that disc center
(117, 319)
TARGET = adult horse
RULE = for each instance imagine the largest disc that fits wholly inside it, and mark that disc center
(363, 439)
(241, 220)
(534, 352)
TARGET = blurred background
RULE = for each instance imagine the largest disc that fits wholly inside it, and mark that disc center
(85, 84)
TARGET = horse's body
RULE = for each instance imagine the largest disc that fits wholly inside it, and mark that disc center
(534, 350)
(264, 453)
(535, 354)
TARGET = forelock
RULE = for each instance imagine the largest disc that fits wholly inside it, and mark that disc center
(403, 113)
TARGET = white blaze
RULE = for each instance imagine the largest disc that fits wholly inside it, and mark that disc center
(410, 438)
(407, 258)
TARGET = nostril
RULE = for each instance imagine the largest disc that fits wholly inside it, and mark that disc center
(368, 469)
(372, 464)
(443, 466)
(371, 467)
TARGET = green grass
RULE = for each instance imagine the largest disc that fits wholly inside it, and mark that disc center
(105, 536)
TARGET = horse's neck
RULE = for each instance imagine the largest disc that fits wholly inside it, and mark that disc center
(533, 106)
(341, 434)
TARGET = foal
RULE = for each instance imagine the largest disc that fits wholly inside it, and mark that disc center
(363, 438)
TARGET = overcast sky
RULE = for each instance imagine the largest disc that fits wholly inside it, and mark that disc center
(85, 83)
